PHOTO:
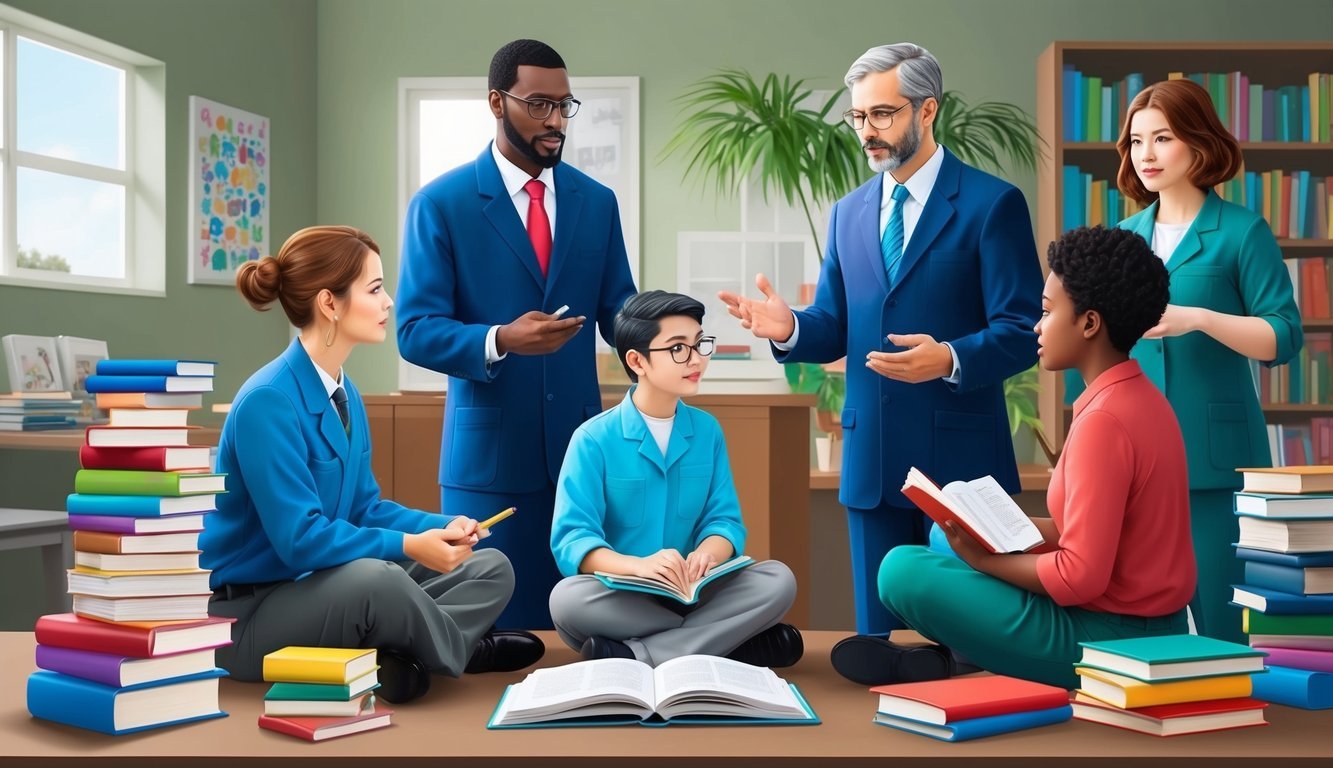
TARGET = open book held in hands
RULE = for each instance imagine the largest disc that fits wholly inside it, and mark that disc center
(688, 689)
(980, 507)
(667, 589)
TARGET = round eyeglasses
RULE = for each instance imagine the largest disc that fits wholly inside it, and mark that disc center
(680, 352)
(880, 119)
(540, 109)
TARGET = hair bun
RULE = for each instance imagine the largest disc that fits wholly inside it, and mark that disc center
(260, 281)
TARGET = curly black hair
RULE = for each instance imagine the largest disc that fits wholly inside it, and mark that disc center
(507, 60)
(639, 320)
(1115, 272)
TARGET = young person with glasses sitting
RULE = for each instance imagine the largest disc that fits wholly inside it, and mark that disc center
(646, 491)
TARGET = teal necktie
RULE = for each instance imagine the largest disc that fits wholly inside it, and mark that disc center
(891, 244)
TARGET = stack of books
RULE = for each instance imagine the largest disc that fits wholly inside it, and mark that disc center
(35, 411)
(322, 693)
(136, 652)
(1286, 541)
(1168, 686)
(963, 708)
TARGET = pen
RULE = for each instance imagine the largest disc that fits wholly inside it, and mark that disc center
(563, 309)
(497, 518)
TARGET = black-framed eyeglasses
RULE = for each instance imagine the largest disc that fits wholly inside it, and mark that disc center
(540, 109)
(680, 352)
(879, 119)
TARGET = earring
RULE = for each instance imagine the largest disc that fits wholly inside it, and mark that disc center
(333, 333)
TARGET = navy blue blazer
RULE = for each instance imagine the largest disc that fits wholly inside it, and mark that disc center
(969, 276)
(467, 265)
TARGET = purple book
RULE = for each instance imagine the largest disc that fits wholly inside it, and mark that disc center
(1299, 658)
(101, 668)
(134, 525)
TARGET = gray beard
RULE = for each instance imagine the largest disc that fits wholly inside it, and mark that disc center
(898, 154)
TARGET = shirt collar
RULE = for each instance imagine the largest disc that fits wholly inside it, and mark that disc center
(920, 184)
(1113, 375)
(514, 177)
(324, 378)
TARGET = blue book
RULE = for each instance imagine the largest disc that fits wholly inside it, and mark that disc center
(155, 367)
(1276, 603)
(1080, 108)
(96, 707)
(1074, 209)
(118, 383)
(664, 589)
(979, 727)
(1302, 688)
(1108, 115)
(138, 506)
(1289, 559)
(1283, 578)
(1069, 82)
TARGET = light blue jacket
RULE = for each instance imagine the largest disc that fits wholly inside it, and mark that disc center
(616, 490)
(300, 493)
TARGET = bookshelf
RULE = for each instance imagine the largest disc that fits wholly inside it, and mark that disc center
(1274, 65)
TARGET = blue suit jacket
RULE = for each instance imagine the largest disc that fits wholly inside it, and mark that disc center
(300, 493)
(969, 276)
(467, 265)
(618, 491)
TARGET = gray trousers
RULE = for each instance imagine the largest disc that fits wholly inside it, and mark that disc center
(730, 611)
(436, 618)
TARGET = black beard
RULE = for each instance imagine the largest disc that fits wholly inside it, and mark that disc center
(529, 148)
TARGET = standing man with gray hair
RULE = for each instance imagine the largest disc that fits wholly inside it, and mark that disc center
(931, 286)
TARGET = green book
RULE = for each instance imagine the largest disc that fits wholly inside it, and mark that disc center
(323, 691)
(126, 482)
(1172, 657)
(1094, 107)
(1257, 623)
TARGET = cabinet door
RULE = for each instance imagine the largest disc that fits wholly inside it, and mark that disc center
(381, 446)
(416, 467)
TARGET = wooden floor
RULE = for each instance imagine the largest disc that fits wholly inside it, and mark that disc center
(448, 728)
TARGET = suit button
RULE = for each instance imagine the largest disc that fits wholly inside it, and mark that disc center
(884, 399)
(549, 398)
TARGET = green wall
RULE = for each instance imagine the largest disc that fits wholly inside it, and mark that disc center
(266, 66)
(987, 48)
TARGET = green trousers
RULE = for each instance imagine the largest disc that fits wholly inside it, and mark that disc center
(1000, 627)
(1214, 529)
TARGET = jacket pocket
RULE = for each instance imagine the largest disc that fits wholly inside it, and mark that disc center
(624, 502)
(1228, 436)
(474, 446)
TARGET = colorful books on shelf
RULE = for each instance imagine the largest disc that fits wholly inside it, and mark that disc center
(687, 689)
(1168, 685)
(964, 708)
(322, 693)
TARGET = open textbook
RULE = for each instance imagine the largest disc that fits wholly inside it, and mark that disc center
(667, 589)
(980, 507)
(688, 689)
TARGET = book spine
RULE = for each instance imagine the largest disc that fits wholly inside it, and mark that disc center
(69, 700)
(1291, 624)
(1299, 658)
(102, 523)
(97, 541)
(91, 635)
(126, 506)
(113, 482)
(99, 383)
(143, 459)
(101, 668)
(1295, 688)
(305, 671)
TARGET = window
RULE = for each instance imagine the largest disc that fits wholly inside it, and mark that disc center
(444, 122)
(82, 161)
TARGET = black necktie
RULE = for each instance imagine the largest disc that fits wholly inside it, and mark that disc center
(340, 402)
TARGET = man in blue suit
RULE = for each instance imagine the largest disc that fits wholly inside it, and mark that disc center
(491, 249)
(931, 280)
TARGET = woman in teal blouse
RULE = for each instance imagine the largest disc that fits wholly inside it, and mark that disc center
(1231, 302)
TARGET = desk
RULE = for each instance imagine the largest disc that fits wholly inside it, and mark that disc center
(448, 728)
(23, 528)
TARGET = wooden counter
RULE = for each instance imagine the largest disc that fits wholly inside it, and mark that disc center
(1032, 477)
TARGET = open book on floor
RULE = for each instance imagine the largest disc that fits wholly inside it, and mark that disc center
(980, 507)
(666, 589)
(700, 690)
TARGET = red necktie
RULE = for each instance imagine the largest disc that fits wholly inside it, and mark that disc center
(539, 227)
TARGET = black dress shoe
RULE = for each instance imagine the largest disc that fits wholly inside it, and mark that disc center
(875, 661)
(596, 647)
(778, 646)
(505, 650)
(402, 678)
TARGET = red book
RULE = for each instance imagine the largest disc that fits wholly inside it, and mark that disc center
(152, 459)
(321, 728)
(966, 698)
(1173, 719)
(140, 640)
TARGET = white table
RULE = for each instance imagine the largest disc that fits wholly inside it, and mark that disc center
(48, 529)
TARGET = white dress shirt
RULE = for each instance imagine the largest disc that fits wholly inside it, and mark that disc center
(514, 179)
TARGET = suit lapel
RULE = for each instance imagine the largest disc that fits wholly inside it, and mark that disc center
(569, 202)
(867, 224)
(1191, 244)
(316, 399)
(500, 212)
(936, 213)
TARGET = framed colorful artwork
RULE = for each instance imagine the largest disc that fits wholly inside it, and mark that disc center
(229, 190)
(32, 363)
(78, 361)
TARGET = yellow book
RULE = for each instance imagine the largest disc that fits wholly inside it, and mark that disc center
(1128, 693)
(300, 664)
